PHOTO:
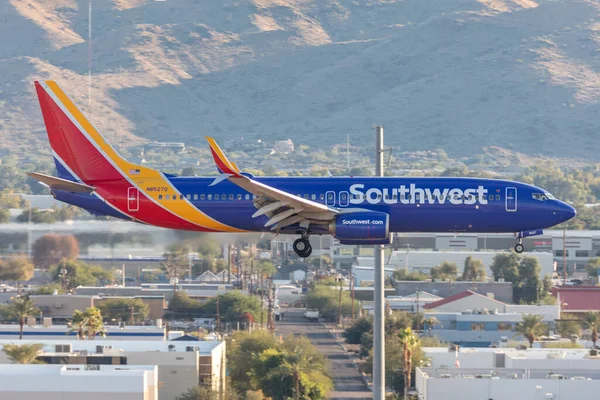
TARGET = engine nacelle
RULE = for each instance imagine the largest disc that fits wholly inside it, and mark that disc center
(361, 227)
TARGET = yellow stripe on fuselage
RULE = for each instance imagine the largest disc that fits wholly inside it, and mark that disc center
(147, 177)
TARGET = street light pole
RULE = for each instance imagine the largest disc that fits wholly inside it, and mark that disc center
(378, 294)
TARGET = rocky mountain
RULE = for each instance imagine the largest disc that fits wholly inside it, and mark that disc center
(454, 74)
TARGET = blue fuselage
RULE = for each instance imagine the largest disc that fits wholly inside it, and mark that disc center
(414, 204)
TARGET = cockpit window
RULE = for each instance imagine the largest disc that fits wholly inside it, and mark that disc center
(550, 196)
(541, 196)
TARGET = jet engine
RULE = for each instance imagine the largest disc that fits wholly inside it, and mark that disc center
(361, 227)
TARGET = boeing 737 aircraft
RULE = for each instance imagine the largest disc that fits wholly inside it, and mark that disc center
(356, 210)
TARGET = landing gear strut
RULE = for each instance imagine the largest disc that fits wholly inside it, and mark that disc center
(302, 247)
(519, 246)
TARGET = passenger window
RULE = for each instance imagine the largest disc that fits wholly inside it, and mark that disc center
(216, 197)
(313, 196)
(209, 197)
(497, 197)
(231, 197)
(223, 197)
(253, 197)
(306, 196)
(188, 196)
(202, 197)
(321, 197)
(344, 196)
(491, 197)
(160, 196)
(180, 197)
(167, 197)
(239, 196)
(247, 197)
(196, 197)
(330, 196)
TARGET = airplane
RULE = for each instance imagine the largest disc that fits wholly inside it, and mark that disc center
(355, 210)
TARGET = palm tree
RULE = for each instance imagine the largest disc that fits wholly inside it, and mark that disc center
(531, 327)
(21, 308)
(22, 354)
(409, 341)
(592, 319)
(78, 323)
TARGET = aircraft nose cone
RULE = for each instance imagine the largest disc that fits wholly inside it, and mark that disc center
(565, 211)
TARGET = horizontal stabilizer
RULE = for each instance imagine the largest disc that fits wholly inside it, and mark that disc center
(62, 184)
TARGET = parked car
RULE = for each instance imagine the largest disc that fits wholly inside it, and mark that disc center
(312, 315)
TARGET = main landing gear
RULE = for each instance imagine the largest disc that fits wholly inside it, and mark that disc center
(302, 247)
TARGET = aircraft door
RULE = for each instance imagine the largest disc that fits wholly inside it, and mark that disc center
(344, 199)
(133, 199)
(330, 199)
(511, 199)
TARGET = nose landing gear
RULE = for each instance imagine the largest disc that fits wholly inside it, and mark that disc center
(302, 247)
(519, 246)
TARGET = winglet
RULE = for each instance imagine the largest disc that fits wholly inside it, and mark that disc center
(223, 164)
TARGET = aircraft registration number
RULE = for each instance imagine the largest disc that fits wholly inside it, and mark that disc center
(157, 189)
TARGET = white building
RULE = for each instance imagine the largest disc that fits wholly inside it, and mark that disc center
(181, 364)
(364, 276)
(50, 332)
(507, 374)
(74, 382)
(424, 261)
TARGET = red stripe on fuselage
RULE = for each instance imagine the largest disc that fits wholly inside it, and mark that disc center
(90, 165)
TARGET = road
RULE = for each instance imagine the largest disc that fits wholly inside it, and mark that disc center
(348, 383)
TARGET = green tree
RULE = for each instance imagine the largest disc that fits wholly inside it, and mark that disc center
(506, 266)
(592, 267)
(49, 288)
(16, 269)
(300, 366)
(531, 327)
(234, 307)
(567, 328)
(24, 353)
(206, 392)
(404, 275)
(409, 341)
(182, 306)
(265, 268)
(50, 249)
(132, 310)
(78, 324)
(78, 273)
(21, 308)
(591, 320)
(353, 334)
(325, 298)
(175, 264)
(241, 355)
(445, 271)
(474, 270)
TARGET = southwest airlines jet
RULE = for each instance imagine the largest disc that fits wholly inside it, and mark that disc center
(356, 210)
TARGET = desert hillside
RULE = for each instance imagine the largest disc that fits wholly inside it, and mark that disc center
(452, 74)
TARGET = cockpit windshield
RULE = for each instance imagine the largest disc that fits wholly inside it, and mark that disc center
(543, 196)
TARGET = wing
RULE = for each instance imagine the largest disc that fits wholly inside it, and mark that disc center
(282, 208)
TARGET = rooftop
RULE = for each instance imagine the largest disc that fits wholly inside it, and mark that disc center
(125, 345)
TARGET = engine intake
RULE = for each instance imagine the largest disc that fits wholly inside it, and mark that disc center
(361, 227)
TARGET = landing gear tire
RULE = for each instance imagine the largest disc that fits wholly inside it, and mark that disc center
(519, 248)
(302, 247)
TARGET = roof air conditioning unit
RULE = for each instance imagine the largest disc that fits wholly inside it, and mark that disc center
(47, 322)
(63, 348)
(192, 348)
(30, 321)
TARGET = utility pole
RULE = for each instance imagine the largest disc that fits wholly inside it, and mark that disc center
(131, 319)
(270, 322)
(123, 274)
(378, 293)
(262, 300)
(174, 275)
(218, 316)
(340, 303)
(418, 316)
(229, 264)
(564, 257)
(352, 293)
(251, 288)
